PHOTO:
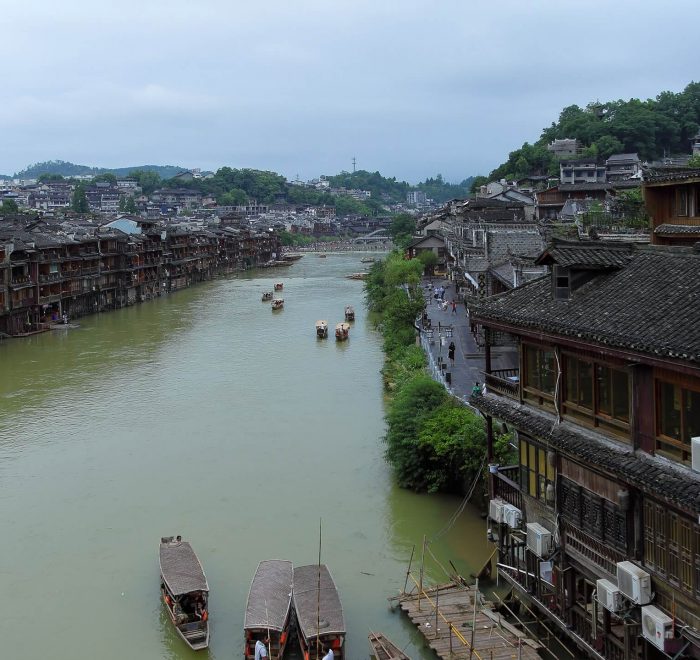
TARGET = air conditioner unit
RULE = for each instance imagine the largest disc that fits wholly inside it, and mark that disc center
(609, 596)
(634, 582)
(539, 540)
(512, 516)
(657, 627)
(695, 454)
(496, 510)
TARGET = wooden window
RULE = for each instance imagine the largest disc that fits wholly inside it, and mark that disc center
(539, 373)
(685, 543)
(677, 419)
(561, 282)
(603, 400)
(669, 549)
(673, 560)
(682, 201)
(535, 473)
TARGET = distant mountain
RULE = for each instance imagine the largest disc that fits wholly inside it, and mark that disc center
(71, 169)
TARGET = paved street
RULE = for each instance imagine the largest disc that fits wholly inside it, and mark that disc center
(448, 326)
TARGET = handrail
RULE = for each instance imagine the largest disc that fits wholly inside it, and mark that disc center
(458, 634)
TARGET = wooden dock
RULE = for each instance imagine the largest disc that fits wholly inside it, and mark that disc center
(446, 615)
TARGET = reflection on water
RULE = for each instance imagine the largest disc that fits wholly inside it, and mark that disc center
(203, 414)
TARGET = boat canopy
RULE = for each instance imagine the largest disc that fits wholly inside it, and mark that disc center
(307, 600)
(180, 568)
(270, 595)
(343, 326)
(320, 324)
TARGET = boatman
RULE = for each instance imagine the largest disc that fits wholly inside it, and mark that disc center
(261, 649)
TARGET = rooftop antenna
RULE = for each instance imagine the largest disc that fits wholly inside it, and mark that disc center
(354, 162)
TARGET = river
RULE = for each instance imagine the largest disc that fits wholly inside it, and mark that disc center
(204, 414)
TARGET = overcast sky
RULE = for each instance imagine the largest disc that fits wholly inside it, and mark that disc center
(409, 88)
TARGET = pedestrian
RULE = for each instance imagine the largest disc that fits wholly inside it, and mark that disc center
(454, 307)
(476, 390)
(451, 352)
(260, 649)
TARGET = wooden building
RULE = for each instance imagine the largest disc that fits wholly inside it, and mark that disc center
(672, 199)
(597, 524)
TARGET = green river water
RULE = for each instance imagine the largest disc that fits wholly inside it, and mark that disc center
(204, 414)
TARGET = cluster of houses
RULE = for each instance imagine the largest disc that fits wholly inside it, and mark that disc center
(597, 522)
(52, 272)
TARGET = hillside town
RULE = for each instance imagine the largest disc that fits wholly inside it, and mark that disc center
(597, 524)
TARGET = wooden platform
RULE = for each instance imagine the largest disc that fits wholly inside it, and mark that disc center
(449, 632)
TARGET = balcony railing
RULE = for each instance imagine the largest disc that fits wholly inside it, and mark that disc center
(506, 485)
(50, 277)
(504, 381)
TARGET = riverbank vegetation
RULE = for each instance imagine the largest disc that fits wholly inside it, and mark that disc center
(433, 442)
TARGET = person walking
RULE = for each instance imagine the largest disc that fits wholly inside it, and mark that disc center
(454, 307)
(451, 352)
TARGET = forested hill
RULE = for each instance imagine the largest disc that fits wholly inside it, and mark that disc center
(68, 170)
(236, 186)
(651, 128)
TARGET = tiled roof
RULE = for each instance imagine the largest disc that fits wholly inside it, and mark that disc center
(622, 157)
(651, 305)
(671, 175)
(593, 256)
(677, 229)
(648, 473)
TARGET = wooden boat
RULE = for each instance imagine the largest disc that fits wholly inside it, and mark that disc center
(322, 256)
(357, 276)
(269, 608)
(267, 295)
(279, 286)
(277, 303)
(322, 329)
(349, 313)
(384, 649)
(367, 260)
(342, 331)
(319, 612)
(185, 591)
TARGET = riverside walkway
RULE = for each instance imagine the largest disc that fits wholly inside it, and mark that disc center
(467, 369)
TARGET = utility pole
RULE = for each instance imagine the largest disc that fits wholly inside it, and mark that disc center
(353, 164)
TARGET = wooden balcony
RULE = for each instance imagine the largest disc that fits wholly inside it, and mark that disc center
(506, 486)
(505, 382)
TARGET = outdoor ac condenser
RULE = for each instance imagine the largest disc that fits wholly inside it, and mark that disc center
(512, 516)
(539, 540)
(695, 454)
(496, 510)
(657, 628)
(609, 596)
(634, 582)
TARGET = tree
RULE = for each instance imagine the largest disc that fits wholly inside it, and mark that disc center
(429, 260)
(415, 401)
(130, 205)
(107, 177)
(402, 226)
(234, 197)
(477, 182)
(79, 202)
(147, 180)
(694, 161)
(45, 178)
(9, 206)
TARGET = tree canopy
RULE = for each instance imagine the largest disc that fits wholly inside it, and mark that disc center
(651, 128)
(79, 202)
